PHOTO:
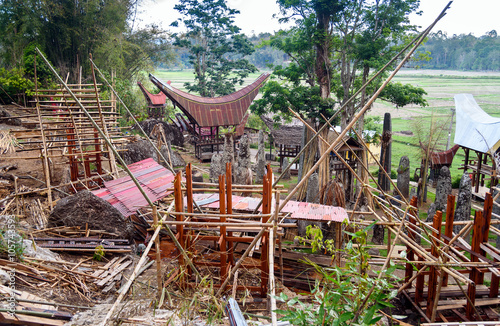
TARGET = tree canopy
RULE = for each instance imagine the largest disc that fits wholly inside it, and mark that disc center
(333, 48)
(67, 31)
(216, 47)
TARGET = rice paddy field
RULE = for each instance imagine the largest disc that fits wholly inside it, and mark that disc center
(440, 85)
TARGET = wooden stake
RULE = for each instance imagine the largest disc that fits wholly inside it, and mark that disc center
(159, 276)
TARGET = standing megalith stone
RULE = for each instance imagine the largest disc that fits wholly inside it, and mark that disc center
(216, 168)
(261, 159)
(228, 151)
(464, 201)
(243, 168)
(313, 189)
(311, 197)
(403, 181)
(443, 189)
(385, 154)
(286, 173)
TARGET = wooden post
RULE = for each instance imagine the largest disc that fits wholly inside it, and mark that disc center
(474, 274)
(485, 228)
(266, 209)
(44, 151)
(229, 193)
(410, 254)
(159, 278)
(432, 284)
(222, 239)
(190, 208)
(448, 231)
(179, 207)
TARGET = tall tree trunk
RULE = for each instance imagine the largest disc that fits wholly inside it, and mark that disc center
(323, 74)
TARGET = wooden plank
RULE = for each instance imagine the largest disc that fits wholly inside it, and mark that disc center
(26, 320)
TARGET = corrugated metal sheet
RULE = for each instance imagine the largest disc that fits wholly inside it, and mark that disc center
(228, 110)
(125, 196)
(298, 210)
(475, 128)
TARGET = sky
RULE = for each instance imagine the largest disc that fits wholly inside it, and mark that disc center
(256, 16)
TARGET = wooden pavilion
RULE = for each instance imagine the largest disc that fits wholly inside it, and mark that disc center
(206, 116)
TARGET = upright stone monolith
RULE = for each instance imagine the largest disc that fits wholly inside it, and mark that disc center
(385, 154)
(261, 159)
(216, 167)
(311, 197)
(403, 182)
(243, 168)
(313, 189)
(464, 201)
(286, 173)
(228, 152)
(443, 189)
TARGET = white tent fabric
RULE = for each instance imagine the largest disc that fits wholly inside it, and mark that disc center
(475, 128)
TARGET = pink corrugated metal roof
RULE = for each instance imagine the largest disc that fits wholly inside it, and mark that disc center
(125, 196)
(298, 210)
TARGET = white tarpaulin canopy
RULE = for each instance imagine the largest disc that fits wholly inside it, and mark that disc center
(475, 128)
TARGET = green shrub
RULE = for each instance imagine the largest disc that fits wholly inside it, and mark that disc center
(455, 183)
(340, 297)
(14, 85)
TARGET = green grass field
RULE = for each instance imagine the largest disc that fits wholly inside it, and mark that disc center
(440, 86)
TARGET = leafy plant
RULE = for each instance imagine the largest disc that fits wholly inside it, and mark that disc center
(99, 253)
(13, 84)
(340, 297)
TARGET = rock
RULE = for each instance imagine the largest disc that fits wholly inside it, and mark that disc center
(84, 208)
(385, 153)
(413, 193)
(216, 168)
(378, 234)
(4, 277)
(197, 177)
(373, 252)
(443, 189)
(243, 170)
(11, 121)
(313, 189)
(311, 197)
(228, 152)
(172, 133)
(286, 173)
(403, 181)
(464, 202)
(38, 252)
(142, 149)
(260, 169)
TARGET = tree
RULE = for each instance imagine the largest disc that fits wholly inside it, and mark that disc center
(217, 49)
(68, 31)
(334, 47)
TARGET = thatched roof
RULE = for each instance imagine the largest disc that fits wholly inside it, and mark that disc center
(285, 134)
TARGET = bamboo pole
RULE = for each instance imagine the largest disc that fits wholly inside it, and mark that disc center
(134, 179)
(361, 112)
(418, 39)
(112, 161)
(134, 273)
(44, 142)
(159, 277)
